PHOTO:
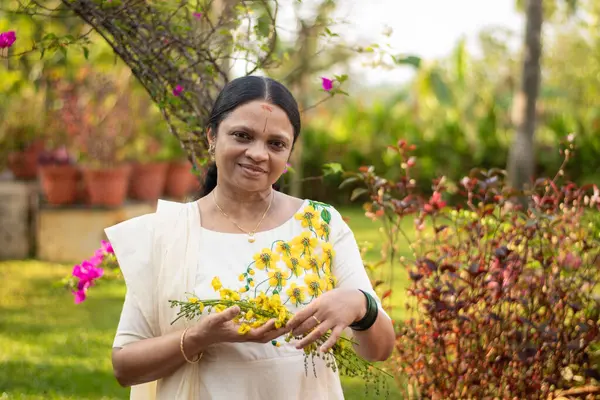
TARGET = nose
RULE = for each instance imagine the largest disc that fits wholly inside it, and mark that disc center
(257, 151)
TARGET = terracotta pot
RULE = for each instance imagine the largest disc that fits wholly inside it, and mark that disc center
(180, 179)
(147, 182)
(107, 186)
(59, 183)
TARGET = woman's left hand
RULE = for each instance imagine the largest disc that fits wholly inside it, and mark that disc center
(335, 310)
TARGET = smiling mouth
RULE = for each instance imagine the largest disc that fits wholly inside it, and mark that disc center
(253, 168)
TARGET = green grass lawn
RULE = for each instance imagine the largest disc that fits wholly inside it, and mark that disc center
(51, 348)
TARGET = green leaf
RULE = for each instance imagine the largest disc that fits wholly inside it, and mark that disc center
(326, 215)
(86, 52)
(333, 168)
(348, 181)
(407, 60)
(356, 193)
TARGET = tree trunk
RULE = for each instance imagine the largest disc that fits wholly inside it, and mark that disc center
(521, 156)
(305, 48)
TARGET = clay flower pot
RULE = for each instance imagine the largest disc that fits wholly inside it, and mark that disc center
(180, 179)
(147, 181)
(59, 183)
(24, 164)
(107, 186)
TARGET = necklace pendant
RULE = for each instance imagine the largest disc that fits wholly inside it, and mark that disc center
(251, 239)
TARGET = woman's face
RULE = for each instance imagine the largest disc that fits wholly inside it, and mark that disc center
(253, 145)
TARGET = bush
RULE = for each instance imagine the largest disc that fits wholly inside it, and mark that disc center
(503, 296)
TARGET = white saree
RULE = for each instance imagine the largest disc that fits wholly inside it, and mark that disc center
(167, 254)
(157, 254)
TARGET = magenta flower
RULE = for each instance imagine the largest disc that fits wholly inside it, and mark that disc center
(7, 39)
(107, 247)
(327, 84)
(178, 90)
(197, 15)
(79, 296)
(287, 165)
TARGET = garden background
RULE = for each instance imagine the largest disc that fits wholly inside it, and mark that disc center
(84, 144)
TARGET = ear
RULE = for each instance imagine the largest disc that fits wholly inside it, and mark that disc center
(210, 136)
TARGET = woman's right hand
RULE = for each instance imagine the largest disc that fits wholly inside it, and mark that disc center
(219, 328)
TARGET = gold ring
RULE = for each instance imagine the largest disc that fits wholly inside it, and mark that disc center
(316, 319)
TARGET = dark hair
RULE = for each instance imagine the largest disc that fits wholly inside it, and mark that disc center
(241, 91)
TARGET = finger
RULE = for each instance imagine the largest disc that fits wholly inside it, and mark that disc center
(335, 335)
(258, 333)
(227, 315)
(274, 334)
(314, 335)
(306, 326)
(302, 315)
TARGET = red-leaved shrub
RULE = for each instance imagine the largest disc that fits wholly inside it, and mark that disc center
(504, 296)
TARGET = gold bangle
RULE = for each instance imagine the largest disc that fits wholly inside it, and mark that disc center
(183, 352)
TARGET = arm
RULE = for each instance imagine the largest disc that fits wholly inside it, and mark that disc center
(148, 359)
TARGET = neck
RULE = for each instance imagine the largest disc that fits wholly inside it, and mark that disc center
(236, 202)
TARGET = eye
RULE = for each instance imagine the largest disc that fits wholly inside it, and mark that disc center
(278, 144)
(241, 136)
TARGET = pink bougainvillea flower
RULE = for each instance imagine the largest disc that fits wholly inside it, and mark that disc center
(327, 84)
(107, 247)
(287, 165)
(87, 272)
(7, 39)
(79, 296)
(178, 90)
(197, 15)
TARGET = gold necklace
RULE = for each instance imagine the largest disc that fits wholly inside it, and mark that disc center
(250, 234)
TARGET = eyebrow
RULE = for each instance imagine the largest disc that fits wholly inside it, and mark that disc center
(278, 136)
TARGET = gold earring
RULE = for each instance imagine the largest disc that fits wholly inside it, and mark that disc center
(211, 150)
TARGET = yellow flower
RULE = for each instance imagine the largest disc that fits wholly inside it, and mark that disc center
(266, 259)
(241, 277)
(193, 300)
(278, 277)
(249, 314)
(295, 264)
(284, 247)
(257, 324)
(328, 251)
(216, 283)
(297, 294)
(309, 217)
(305, 240)
(244, 328)
(228, 294)
(244, 289)
(323, 230)
(330, 281)
(251, 271)
(315, 284)
(251, 282)
(312, 263)
(220, 307)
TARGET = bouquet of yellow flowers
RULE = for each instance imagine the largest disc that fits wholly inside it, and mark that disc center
(260, 309)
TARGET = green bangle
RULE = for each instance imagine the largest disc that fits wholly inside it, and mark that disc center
(370, 316)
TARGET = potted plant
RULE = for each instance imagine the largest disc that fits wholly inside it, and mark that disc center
(101, 132)
(20, 136)
(59, 177)
(181, 180)
(147, 154)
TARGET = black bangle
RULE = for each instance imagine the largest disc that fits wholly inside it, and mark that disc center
(371, 315)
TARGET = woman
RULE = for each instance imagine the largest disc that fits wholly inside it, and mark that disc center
(241, 229)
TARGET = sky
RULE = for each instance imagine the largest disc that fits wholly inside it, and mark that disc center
(427, 28)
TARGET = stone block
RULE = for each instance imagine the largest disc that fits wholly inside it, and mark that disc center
(71, 235)
(18, 206)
